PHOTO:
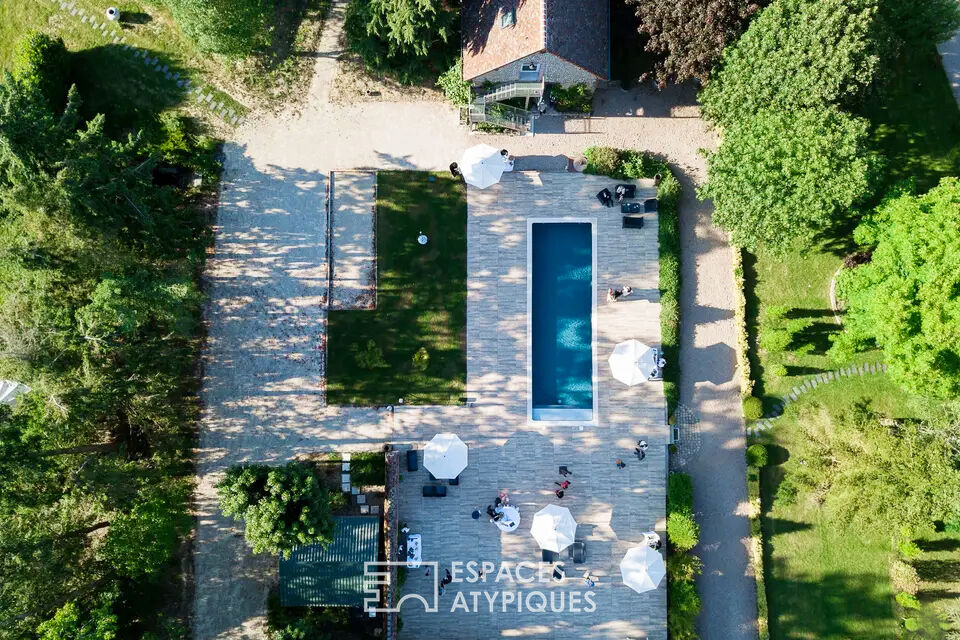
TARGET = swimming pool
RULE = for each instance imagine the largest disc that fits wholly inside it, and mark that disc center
(561, 300)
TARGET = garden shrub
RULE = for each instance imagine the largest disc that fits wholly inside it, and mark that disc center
(777, 369)
(904, 577)
(683, 566)
(683, 611)
(232, 28)
(679, 492)
(457, 90)
(907, 600)
(682, 531)
(775, 340)
(42, 62)
(370, 357)
(421, 359)
(752, 408)
(757, 455)
(603, 161)
(576, 98)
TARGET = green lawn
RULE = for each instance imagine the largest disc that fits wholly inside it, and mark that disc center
(421, 299)
(823, 582)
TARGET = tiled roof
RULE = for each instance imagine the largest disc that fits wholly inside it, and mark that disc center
(332, 577)
(576, 30)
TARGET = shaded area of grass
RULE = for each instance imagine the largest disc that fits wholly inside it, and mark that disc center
(421, 299)
(368, 468)
(916, 121)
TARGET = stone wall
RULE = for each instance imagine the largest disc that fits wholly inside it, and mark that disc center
(390, 530)
(555, 70)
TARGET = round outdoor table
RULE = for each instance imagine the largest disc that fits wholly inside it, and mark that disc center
(510, 521)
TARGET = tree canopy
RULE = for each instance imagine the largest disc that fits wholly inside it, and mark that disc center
(99, 313)
(906, 300)
(404, 38)
(691, 34)
(282, 507)
(869, 474)
(921, 23)
(796, 54)
(781, 177)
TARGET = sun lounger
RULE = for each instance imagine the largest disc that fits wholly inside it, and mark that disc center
(634, 221)
(412, 464)
(578, 552)
(434, 491)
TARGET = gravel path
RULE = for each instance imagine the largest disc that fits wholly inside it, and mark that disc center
(263, 378)
(711, 393)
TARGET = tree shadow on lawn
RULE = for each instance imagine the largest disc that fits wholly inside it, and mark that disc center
(828, 607)
(943, 544)
(127, 90)
(937, 570)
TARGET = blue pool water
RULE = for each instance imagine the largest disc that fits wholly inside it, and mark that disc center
(561, 320)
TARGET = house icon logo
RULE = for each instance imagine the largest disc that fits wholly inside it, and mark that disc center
(377, 574)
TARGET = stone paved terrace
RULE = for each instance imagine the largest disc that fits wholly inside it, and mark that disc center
(507, 453)
(353, 258)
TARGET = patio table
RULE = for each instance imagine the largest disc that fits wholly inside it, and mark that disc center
(510, 520)
(413, 551)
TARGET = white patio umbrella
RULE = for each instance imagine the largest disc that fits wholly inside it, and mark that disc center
(553, 528)
(445, 456)
(633, 362)
(482, 166)
(642, 568)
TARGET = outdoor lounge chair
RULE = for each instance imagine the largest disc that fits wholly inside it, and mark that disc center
(605, 198)
(548, 556)
(434, 491)
(577, 552)
(412, 464)
(634, 221)
(651, 205)
(628, 191)
(454, 482)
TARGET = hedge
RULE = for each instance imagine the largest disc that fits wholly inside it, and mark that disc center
(756, 551)
(683, 603)
(740, 319)
(623, 164)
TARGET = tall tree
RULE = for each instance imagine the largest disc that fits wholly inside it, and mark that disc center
(921, 23)
(691, 34)
(782, 177)
(282, 507)
(796, 54)
(906, 300)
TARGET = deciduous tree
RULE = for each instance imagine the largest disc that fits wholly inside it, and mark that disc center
(282, 507)
(796, 54)
(691, 34)
(906, 300)
(781, 177)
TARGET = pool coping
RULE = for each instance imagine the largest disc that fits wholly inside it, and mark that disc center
(592, 221)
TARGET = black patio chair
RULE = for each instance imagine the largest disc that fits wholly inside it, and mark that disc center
(625, 191)
(605, 198)
(412, 463)
(651, 205)
(634, 221)
(434, 491)
(549, 556)
(577, 552)
(454, 482)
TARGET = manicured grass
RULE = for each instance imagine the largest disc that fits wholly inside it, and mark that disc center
(801, 283)
(368, 468)
(421, 299)
(825, 582)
